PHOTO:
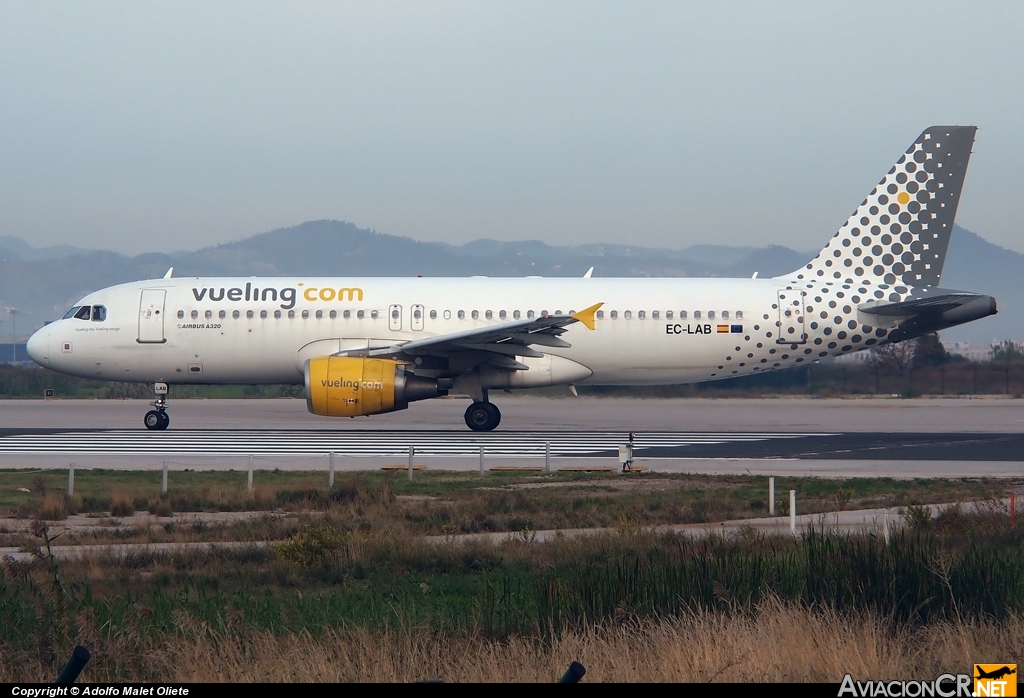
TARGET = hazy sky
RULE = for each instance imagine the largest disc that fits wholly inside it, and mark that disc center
(146, 126)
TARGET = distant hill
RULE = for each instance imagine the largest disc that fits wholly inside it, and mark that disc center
(16, 248)
(44, 282)
(975, 264)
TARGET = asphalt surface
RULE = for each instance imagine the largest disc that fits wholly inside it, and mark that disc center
(834, 438)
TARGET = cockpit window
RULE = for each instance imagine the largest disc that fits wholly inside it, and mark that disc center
(83, 312)
(71, 313)
(99, 313)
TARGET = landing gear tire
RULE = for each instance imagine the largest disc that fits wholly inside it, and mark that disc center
(156, 419)
(482, 416)
(153, 420)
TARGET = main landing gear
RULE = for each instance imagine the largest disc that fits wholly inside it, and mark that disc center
(482, 416)
(158, 418)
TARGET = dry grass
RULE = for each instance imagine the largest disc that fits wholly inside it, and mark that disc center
(55, 507)
(778, 643)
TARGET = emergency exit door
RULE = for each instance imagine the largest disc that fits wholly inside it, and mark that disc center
(395, 318)
(151, 316)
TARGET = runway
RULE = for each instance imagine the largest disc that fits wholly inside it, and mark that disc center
(835, 438)
(455, 444)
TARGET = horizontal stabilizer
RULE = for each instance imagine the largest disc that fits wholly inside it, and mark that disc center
(930, 304)
(930, 310)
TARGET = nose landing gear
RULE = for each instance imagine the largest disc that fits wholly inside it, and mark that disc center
(158, 418)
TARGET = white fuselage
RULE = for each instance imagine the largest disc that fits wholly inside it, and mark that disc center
(649, 331)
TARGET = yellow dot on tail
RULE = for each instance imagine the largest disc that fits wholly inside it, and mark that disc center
(903, 197)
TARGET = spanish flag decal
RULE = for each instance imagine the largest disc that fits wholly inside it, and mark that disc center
(723, 329)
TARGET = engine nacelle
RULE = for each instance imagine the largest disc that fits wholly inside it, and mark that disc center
(349, 386)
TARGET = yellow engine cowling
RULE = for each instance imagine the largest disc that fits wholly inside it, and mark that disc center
(350, 386)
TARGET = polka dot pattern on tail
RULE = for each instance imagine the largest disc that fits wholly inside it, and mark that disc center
(900, 233)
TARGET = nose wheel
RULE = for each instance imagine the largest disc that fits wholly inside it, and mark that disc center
(482, 416)
(158, 419)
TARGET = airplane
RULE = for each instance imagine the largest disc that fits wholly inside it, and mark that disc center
(364, 346)
(996, 673)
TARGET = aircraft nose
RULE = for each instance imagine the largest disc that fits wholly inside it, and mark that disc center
(38, 347)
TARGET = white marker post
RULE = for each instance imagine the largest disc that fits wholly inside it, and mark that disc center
(71, 478)
(771, 496)
(412, 452)
(792, 512)
(163, 480)
(481, 461)
(330, 472)
(249, 482)
(547, 456)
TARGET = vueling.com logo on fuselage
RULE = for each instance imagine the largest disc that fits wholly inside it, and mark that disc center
(287, 295)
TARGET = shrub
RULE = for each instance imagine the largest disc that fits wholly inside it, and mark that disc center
(54, 507)
(122, 506)
(316, 547)
(160, 506)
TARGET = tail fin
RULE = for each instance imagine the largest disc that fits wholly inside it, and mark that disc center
(900, 233)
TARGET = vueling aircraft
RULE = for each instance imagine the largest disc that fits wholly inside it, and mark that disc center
(365, 346)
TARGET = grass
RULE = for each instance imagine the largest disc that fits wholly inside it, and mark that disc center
(440, 502)
(781, 643)
(388, 606)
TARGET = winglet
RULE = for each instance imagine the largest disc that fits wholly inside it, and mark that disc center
(589, 272)
(169, 272)
(587, 316)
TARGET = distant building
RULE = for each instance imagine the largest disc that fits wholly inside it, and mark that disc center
(9, 352)
(976, 353)
(970, 351)
(857, 357)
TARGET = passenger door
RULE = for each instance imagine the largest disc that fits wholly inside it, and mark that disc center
(151, 316)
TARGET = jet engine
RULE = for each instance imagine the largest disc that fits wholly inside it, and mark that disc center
(349, 386)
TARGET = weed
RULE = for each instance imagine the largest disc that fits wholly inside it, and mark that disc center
(122, 506)
(160, 506)
(918, 518)
(54, 507)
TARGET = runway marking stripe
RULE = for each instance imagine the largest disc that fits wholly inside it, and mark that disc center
(367, 443)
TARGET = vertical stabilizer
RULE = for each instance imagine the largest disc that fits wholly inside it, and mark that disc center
(900, 233)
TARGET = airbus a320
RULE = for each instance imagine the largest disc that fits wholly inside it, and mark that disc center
(365, 346)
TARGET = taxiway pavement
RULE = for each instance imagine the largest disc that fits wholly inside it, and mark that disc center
(780, 436)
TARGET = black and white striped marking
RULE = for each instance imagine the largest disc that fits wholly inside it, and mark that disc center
(362, 443)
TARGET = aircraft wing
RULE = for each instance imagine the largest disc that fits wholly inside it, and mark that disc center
(498, 344)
